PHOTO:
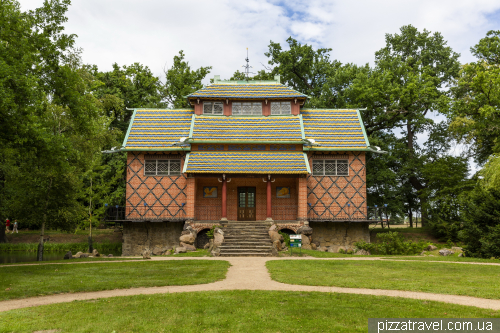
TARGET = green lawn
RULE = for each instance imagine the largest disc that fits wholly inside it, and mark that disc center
(229, 311)
(29, 281)
(454, 279)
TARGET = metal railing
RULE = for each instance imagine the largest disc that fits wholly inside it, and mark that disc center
(336, 213)
(284, 212)
(142, 212)
(208, 213)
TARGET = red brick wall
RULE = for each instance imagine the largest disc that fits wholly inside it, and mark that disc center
(329, 196)
(164, 196)
(198, 108)
(228, 108)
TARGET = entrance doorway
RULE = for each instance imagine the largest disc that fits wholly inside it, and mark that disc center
(246, 203)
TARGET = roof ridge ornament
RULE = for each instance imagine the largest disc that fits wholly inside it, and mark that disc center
(247, 67)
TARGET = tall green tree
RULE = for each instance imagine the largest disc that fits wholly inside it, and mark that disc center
(127, 87)
(406, 84)
(181, 80)
(474, 102)
(32, 47)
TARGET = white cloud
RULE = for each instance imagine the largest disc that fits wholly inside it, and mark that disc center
(217, 33)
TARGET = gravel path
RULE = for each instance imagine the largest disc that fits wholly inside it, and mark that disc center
(247, 273)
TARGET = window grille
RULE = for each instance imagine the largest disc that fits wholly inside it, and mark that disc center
(213, 107)
(247, 108)
(162, 167)
(330, 168)
(281, 108)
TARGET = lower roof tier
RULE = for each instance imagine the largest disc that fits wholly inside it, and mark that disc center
(247, 162)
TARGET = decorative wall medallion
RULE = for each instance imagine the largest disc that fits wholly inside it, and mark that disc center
(210, 191)
(282, 192)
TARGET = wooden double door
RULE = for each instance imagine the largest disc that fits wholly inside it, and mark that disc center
(246, 203)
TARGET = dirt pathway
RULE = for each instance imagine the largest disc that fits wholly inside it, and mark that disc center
(247, 273)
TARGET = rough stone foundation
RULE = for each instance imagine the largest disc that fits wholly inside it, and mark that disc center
(333, 235)
(140, 236)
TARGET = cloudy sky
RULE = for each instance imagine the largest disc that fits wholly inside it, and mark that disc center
(217, 32)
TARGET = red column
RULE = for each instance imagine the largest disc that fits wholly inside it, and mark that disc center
(224, 199)
(269, 200)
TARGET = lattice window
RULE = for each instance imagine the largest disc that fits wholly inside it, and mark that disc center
(281, 108)
(150, 168)
(330, 168)
(213, 107)
(247, 108)
(162, 167)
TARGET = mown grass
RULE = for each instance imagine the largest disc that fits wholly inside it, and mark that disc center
(197, 253)
(61, 247)
(453, 279)
(35, 280)
(230, 311)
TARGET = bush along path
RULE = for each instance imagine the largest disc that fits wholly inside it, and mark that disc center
(248, 273)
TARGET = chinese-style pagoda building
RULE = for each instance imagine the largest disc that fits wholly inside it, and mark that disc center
(246, 151)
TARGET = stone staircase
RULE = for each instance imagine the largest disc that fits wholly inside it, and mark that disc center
(246, 239)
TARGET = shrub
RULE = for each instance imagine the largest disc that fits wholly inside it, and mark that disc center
(210, 233)
(481, 226)
(392, 243)
(286, 237)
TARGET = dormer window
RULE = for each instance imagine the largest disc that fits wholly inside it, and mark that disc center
(247, 108)
(281, 108)
(213, 107)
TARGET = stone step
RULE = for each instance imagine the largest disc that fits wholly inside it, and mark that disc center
(245, 251)
(257, 246)
(249, 234)
(247, 254)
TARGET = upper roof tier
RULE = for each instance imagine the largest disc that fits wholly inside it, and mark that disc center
(258, 89)
(246, 129)
(316, 129)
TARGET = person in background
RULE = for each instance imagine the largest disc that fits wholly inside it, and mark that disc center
(7, 226)
(15, 227)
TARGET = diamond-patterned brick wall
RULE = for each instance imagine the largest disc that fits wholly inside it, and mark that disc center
(164, 196)
(328, 196)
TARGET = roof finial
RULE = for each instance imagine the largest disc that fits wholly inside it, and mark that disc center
(247, 67)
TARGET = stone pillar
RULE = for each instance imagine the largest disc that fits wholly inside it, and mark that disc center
(190, 199)
(302, 199)
(224, 199)
(269, 213)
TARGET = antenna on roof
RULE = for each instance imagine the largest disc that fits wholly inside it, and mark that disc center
(247, 66)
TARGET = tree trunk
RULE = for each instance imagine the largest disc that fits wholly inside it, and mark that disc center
(39, 256)
(417, 185)
(3, 237)
(410, 218)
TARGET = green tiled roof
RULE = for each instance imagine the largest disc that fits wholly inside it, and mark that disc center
(281, 128)
(157, 129)
(331, 129)
(247, 91)
(339, 129)
(246, 162)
